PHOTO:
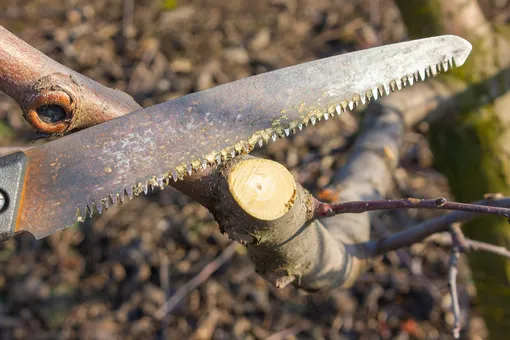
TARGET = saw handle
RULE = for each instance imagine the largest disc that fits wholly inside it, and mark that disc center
(12, 176)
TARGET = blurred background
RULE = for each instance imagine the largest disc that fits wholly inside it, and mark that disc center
(107, 278)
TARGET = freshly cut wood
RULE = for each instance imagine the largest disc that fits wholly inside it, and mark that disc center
(263, 188)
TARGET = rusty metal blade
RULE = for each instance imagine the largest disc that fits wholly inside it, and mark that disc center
(87, 171)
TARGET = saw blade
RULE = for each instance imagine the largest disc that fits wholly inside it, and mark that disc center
(86, 172)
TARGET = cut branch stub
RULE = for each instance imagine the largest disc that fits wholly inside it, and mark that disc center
(258, 203)
(262, 188)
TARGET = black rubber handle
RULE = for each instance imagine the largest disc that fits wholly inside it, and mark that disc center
(12, 175)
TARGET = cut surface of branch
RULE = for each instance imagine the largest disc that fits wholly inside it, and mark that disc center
(263, 188)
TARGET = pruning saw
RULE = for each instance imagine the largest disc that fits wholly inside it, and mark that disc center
(53, 186)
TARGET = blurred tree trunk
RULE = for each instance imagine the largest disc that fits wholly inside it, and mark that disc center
(472, 147)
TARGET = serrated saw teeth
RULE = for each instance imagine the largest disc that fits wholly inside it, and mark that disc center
(105, 204)
(264, 136)
(422, 74)
(89, 211)
(98, 207)
(129, 193)
(375, 95)
(399, 82)
(433, 70)
(387, 89)
(118, 199)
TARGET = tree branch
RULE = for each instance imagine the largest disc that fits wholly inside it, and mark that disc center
(54, 98)
(416, 234)
(356, 207)
(452, 285)
(490, 248)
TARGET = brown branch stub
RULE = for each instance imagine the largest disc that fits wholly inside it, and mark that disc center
(287, 249)
(54, 98)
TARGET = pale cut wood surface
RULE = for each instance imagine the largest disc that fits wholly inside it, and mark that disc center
(263, 188)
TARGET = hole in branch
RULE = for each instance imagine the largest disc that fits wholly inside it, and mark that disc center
(51, 113)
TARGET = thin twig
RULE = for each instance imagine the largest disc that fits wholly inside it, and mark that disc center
(323, 209)
(417, 234)
(466, 244)
(490, 248)
(458, 238)
(452, 284)
(196, 281)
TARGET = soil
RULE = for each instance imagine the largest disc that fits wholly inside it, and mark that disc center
(106, 278)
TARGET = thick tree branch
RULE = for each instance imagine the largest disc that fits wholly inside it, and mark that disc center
(54, 98)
